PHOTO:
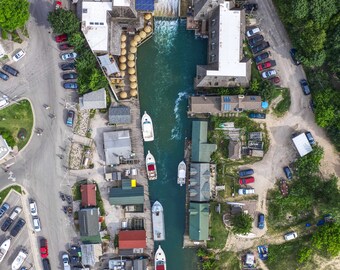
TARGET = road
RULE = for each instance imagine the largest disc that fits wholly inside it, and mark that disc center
(37, 167)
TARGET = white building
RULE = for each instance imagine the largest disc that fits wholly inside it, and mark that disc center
(4, 148)
(302, 144)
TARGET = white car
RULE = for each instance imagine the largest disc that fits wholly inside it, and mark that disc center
(4, 100)
(33, 208)
(66, 260)
(246, 191)
(68, 56)
(269, 73)
(20, 54)
(36, 224)
(290, 236)
(253, 32)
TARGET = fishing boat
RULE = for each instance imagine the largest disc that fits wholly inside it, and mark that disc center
(158, 221)
(147, 128)
(19, 260)
(4, 248)
(151, 169)
(181, 173)
(160, 260)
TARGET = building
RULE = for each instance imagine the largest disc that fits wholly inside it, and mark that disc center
(220, 105)
(119, 115)
(145, 5)
(201, 149)
(117, 146)
(94, 24)
(132, 239)
(199, 182)
(124, 10)
(88, 195)
(128, 194)
(234, 149)
(227, 66)
(91, 253)
(89, 225)
(93, 100)
(302, 144)
(199, 221)
(4, 148)
(120, 264)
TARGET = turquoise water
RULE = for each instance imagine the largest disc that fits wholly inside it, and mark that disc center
(166, 68)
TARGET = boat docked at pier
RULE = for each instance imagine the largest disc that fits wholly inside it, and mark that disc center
(151, 169)
(181, 173)
(158, 221)
(160, 260)
(4, 248)
(19, 260)
(147, 128)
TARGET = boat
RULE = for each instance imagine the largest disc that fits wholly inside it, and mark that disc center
(4, 248)
(147, 128)
(19, 260)
(158, 221)
(160, 260)
(181, 173)
(151, 169)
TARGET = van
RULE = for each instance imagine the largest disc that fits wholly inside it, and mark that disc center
(46, 264)
(10, 70)
(260, 221)
(290, 236)
(247, 172)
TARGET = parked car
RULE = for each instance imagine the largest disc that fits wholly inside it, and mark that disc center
(70, 76)
(70, 118)
(4, 76)
(260, 221)
(10, 70)
(46, 264)
(305, 87)
(61, 38)
(4, 100)
(275, 80)
(66, 260)
(250, 7)
(43, 248)
(290, 236)
(7, 223)
(15, 213)
(312, 105)
(246, 172)
(255, 40)
(257, 115)
(68, 66)
(247, 180)
(246, 191)
(266, 65)
(20, 54)
(17, 227)
(70, 85)
(3, 209)
(288, 172)
(260, 47)
(65, 47)
(33, 208)
(253, 32)
(261, 57)
(68, 56)
(310, 138)
(293, 55)
(269, 73)
(36, 224)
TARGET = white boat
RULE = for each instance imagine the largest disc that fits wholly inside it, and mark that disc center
(147, 128)
(160, 260)
(181, 173)
(151, 169)
(158, 221)
(4, 248)
(19, 260)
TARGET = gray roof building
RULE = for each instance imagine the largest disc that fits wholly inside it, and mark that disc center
(117, 146)
(199, 182)
(4, 148)
(127, 194)
(234, 149)
(119, 115)
(89, 225)
(93, 100)
(91, 253)
(201, 149)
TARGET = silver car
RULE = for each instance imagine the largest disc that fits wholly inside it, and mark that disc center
(269, 73)
(68, 56)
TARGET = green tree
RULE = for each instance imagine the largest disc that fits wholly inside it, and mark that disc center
(97, 80)
(316, 59)
(7, 135)
(63, 21)
(300, 8)
(254, 85)
(325, 110)
(322, 11)
(13, 14)
(77, 40)
(309, 164)
(242, 223)
(312, 38)
(327, 239)
(304, 254)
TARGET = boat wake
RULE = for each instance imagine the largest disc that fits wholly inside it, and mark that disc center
(176, 130)
(165, 33)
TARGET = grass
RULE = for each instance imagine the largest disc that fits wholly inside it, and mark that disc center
(218, 231)
(4, 192)
(15, 37)
(15, 117)
(24, 31)
(283, 106)
(228, 260)
(4, 34)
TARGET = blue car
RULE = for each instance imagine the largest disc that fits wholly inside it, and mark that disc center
(261, 57)
(247, 172)
(4, 209)
(260, 223)
(70, 85)
(3, 76)
(70, 118)
(288, 172)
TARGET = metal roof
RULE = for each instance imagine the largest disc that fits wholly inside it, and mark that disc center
(145, 5)
(302, 144)
(89, 225)
(119, 115)
(117, 144)
(93, 100)
(132, 239)
(199, 221)
(132, 196)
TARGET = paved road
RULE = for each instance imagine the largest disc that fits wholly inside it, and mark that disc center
(38, 168)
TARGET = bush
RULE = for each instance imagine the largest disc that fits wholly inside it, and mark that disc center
(7, 135)
(283, 106)
(242, 223)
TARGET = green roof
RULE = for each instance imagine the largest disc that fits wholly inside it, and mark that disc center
(201, 150)
(199, 221)
(119, 196)
(89, 225)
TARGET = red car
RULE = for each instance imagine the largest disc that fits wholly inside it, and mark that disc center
(61, 38)
(265, 65)
(43, 248)
(245, 181)
(275, 80)
(65, 46)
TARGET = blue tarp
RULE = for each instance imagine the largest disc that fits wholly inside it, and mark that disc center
(265, 105)
(145, 5)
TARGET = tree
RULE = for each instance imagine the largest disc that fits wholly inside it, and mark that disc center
(309, 164)
(63, 21)
(300, 8)
(97, 80)
(242, 223)
(322, 11)
(327, 239)
(311, 39)
(77, 40)
(13, 14)
(304, 254)
(325, 110)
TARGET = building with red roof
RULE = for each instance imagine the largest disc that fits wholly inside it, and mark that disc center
(88, 195)
(132, 239)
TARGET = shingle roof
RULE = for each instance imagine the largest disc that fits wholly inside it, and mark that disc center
(119, 115)
(234, 150)
(132, 239)
(88, 195)
(93, 100)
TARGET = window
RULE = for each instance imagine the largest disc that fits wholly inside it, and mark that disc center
(213, 22)
(226, 107)
(96, 23)
(101, 23)
(253, 98)
(84, 10)
(226, 99)
(91, 23)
